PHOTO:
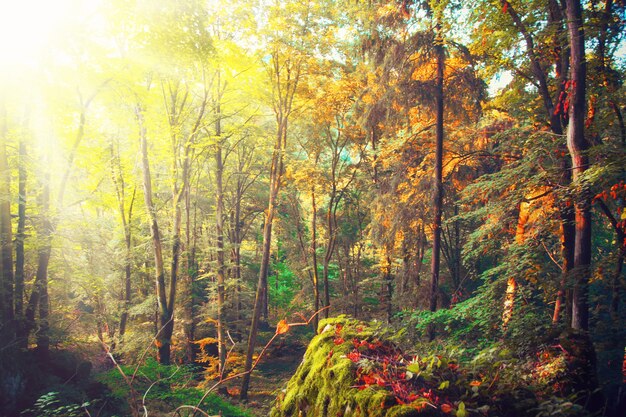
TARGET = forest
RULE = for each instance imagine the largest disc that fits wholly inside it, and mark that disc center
(315, 208)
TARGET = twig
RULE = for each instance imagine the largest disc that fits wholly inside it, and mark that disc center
(145, 394)
(256, 362)
(195, 410)
(133, 398)
(551, 256)
(129, 381)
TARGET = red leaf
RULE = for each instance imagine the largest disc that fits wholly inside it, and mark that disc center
(368, 380)
(505, 7)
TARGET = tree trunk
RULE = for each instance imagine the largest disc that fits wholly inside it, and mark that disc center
(41, 279)
(418, 264)
(330, 247)
(20, 237)
(219, 229)
(388, 290)
(127, 264)
(188, 300)
(568, 235)
(578, 147)
(286, 76)
(275, 177)
(120, 192)
(315, 274)
(438, 175)
(165, 316)
(7, 318)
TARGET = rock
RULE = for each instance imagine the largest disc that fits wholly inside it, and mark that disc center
(324, 383)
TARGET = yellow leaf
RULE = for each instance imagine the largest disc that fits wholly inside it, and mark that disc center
(282, 327)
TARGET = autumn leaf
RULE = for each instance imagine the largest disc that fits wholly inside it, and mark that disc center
(446, 408)
(338, 340)
(282, 327)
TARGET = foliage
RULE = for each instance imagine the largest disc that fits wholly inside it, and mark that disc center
(167, 384)
(282, 285)
(368, 372)
(328, 105)
(52, 404)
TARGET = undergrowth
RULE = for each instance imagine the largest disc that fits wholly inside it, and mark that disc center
(167, 387)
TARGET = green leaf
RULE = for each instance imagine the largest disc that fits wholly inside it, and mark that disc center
(460, 412)
(414, 368)
(444, 385)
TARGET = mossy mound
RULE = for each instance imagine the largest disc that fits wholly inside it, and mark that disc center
(325, 382)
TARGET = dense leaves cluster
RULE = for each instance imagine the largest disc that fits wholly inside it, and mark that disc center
(177, 175)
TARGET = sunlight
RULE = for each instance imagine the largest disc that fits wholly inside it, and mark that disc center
(29, 28)
(26, 28)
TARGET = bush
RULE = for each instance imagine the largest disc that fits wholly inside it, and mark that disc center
(169, 386)
(52, 404)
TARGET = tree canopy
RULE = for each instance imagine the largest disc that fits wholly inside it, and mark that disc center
(176, 177)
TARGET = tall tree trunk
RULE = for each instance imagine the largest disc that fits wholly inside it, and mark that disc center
(438, 175)
(20, 237)
(165, 317)
(275, 178)
(127, 265)
(578, 147)
(39, 294)
(419, 261)
(556, 19)
(41, 279)
(388, 285)
(315, 274)
(312, 248)
(219, 229)
(568, 235)
(188, 299)
(286, 76)
(7, 318)
(330, 246)
(120, 191)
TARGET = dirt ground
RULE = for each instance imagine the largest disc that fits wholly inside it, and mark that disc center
(270, 376)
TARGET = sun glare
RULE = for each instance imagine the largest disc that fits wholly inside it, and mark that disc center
(26, 27)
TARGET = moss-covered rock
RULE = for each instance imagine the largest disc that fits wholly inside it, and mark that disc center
(324, 383)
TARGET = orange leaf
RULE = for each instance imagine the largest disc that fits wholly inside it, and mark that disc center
(446, 408)
(282, 327)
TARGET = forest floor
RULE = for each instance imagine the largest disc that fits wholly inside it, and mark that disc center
(278, 365)
(269, 377)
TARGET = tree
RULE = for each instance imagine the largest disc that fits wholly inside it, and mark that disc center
(286, 68)
(438, 169)
(7, 312)
(125, 215)
(578, 147)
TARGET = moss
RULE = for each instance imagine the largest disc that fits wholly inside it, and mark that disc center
(404, 411)
(323, 385)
